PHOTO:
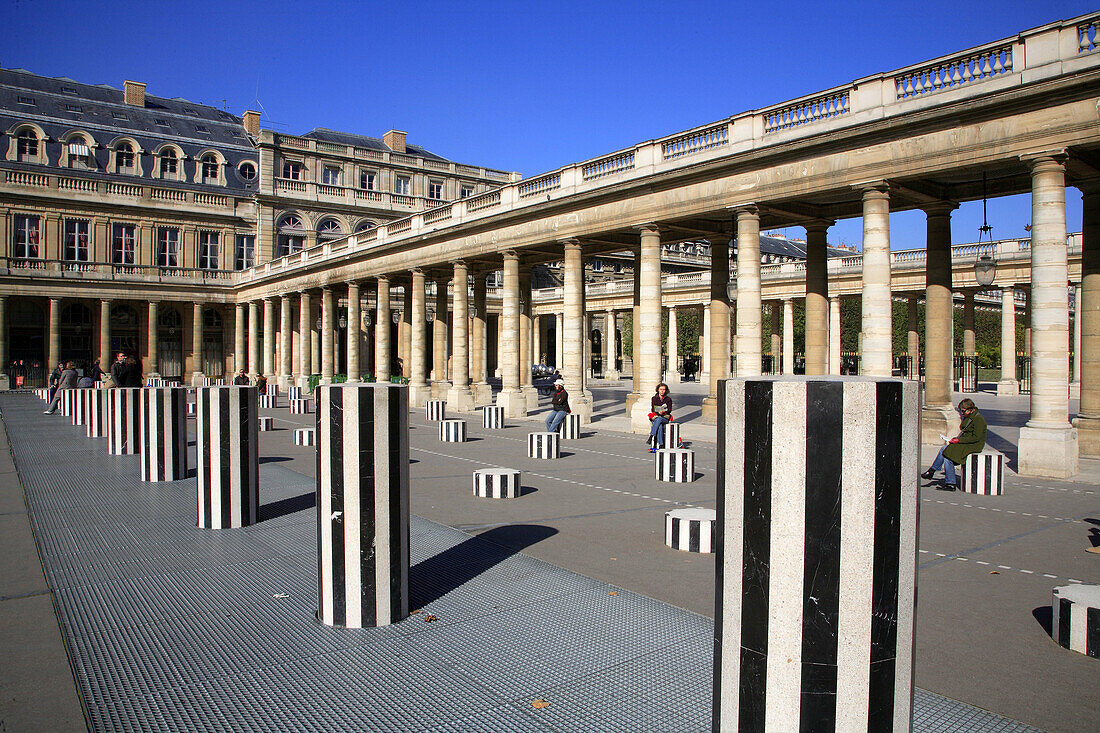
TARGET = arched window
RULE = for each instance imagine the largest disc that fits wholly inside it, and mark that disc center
(211, 320)
(365, 226)
(27, 145)
(330, 229)
(209, 168)
(124, 158)
(79, 150)
(169, 163)
(291, 236)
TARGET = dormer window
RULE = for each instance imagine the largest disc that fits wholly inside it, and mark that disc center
(169, 163)
(209, 168)
(27, 146)
(80, 155)
(124, 158)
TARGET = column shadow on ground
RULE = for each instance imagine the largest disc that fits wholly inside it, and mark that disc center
(282, 507)
(435, 577)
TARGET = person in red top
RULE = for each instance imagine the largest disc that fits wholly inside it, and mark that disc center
(660, 414)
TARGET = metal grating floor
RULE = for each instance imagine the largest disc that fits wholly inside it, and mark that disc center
(173, 628)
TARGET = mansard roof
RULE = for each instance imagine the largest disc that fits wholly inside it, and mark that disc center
(370, 143)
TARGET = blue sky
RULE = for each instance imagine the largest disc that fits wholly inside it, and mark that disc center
(513, 85)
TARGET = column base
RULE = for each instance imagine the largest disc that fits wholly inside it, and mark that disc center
(1075, 390)
(196, 379)
(611, 375)
(303, 382)
(582, 405)
(1088, 436)
(710, 411)
(531, 395)
(639, 417)
(460, 399)
(937, 421)
(5, 383)
(631, 398)
(1050, 452)
(483, 394)
(513, 402)
(1008, 388)
(419, 394)
(671, 378)
(440, 389)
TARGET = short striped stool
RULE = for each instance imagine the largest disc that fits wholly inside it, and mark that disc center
(266, 424)
(190, 409)
(983, 473)
(154, 382)
(452, 431)
(570, 428)
(543, 445)
(268, 402)
(492, 417)
(80, 406)
(219, 382)
(496, 483)
(67, 403)
(690, 529)
(435, 410)
(294, 393)
(305, 436)
(1076, 621)
(271, 390)
(299, 407)
(675, 464)
(672, 435)
(42, 394)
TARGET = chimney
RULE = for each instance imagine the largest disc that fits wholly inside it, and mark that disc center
(252, 123)
(395, 140)
(134, 93)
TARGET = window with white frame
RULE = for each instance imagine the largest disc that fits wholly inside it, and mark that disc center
(123, 244)
(292, 169)
(291, 236)
(209, 250)
(169, 163)
(330, 229)
(244, 256)
(209, 168)
(402, 185)
(330, 175)
(80, 154)
(247, 170)
(76, 240)
(435, 189)
(465, 190)
(365, 226)
(168, 247)
(27, 146)
(124, 158)
(366, 180)
(26, 236)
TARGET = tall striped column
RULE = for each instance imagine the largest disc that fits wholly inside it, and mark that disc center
(123, 421)
(363, 504)
(227, 456)
(163, 434)
(816, 557)
(97, 413)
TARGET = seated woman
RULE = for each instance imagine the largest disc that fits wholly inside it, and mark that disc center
(660, 414)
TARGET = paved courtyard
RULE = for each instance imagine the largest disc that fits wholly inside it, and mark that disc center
(566, 594)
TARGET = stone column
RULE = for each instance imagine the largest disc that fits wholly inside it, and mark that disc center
(269, 338)
(240, 356)
(834, 335)
(53, 335)
(1088, 308)
(510, 398)
(328, 335)
(970, 344)
(196, 345)
(419, 390)
(1008, 384)
(788, 336)
(817, 298)
(382, 355)
(914, 339)
(105, 356)
(305, 339)
(405, 333)
(610, 353)
(4, 383)
(536, 339)
(286, 350)
(441, 383)
(460, 397)
(704, 345)
(748, 314)
(526, 325)
(877, 306)
(483, 393)
(573, 331)
(152, 369)
(355, 332)
(559, 340)
(227, 456)
(672, 374)
(1048, 443)
(648, 325)
(938, 416)
(776, 350)
(1075, 384)
(253, 338)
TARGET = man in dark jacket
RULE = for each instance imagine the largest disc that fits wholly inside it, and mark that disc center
(118, 370)
(971, 439)
(68, 380)
(559, 407)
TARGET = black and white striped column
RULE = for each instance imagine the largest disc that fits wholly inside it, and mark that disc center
(674, 464)
(228, 456)
(124, 421)
(983, 473)
(496, 483)
(816, 557)
(79, 410)
(268, 402)
(492, 417)
(435, 410)
(67, 403)
(570, 428)
(266, 424)
(271, 390)
(163, 434)
(191, 409)
(452, 431)
(363, 504)
(691, 529)
(672, 435)
(299, 406)
(43, 394)
(96, 419)
(543, 445)
(1076, 620)
(305, 436)
(294, 393)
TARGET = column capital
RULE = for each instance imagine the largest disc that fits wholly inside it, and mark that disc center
(570, 242)
(648, 226)
(939, 208)
(818, 225)
(510, 255)
(352, 282)
(873, 189)
(461, 263)
(1046, 159)
(746, 209)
